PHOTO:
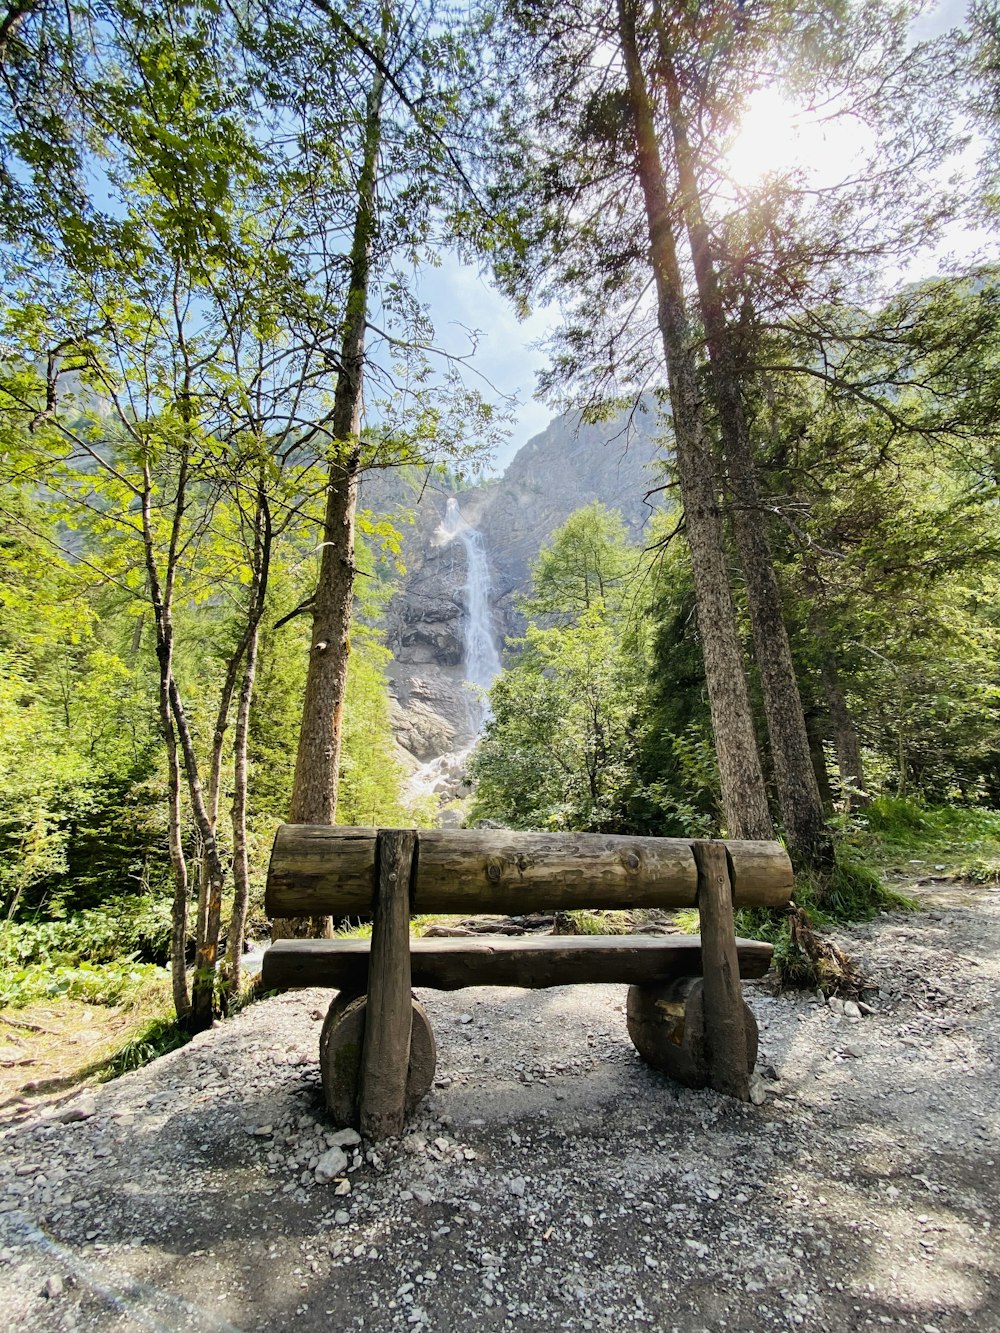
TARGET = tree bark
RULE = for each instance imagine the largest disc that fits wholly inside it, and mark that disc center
(816, 732)
(744, 796)
(317, 764)
(207, 947)
(161, 596)
(798, 794)
(241, 855)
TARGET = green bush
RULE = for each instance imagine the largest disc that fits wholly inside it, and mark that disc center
(103, 983)
(134, 927)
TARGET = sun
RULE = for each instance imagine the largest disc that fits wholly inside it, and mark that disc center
(777, 136)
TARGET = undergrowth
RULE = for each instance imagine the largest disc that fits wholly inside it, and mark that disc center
(92, 956)
(154, 1038)
(101, 983)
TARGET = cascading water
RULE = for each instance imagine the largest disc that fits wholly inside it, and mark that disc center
(482, 661)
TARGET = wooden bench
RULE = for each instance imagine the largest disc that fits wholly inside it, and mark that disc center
(686, 1014)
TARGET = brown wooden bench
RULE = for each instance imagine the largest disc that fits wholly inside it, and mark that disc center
(686, 1014)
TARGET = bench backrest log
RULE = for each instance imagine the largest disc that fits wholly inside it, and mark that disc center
(323, 870)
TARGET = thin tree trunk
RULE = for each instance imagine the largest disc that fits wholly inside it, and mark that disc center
(178, 932)
(743, 793)
(241, 856)
(317, 764)
(207, 949)
(817, 754)
(161, 596)
(215, 775)
(795, 779)
(845, 738)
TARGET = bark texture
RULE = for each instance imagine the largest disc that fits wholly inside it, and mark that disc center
(743, 792)
(798, 794)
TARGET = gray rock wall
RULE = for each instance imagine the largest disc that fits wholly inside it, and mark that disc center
(557, 472)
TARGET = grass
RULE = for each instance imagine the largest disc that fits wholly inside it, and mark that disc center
(960, 841)
(153, 1038)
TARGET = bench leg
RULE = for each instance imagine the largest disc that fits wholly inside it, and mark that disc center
(724, 1007)
(386, 1053)
(667, 1027)
(340, 1050)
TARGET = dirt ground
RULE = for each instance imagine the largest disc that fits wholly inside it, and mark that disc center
(550, 1181)
(50, 1048)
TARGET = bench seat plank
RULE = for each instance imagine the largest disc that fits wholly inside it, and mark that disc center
(531, 962)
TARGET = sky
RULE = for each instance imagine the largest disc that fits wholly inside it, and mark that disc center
(508, 354)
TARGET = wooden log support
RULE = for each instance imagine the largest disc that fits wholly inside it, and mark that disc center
(340, 1049)
(667, 1026)
(321, 870)
(725, 1034)
(386, 1054)
(528, 961)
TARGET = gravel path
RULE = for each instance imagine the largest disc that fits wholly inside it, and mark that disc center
(551, 1181)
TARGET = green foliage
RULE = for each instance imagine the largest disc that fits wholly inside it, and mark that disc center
(960, 839)
(559, 751)
(94, 983)
(154, 1038)
(589, 560)
(600, 923)
(852, 890)
(124, 927)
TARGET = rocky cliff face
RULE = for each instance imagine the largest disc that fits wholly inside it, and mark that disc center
(569, 465)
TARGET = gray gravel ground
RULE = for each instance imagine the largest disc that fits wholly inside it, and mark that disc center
(551, 1181)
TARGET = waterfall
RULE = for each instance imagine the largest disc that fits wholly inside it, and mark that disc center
(444, 778)
(482, 661)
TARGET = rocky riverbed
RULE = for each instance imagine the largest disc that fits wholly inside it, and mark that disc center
(551, 1181)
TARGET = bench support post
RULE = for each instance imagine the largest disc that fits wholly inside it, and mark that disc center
(725, 1032)
(386, 1053)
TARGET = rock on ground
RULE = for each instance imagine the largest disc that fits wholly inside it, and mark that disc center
(553, 1181)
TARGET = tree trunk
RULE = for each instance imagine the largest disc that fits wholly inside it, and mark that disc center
(179, 912)
(241, 856)
(743, 793)
(207, 948)
(161, 596)
(845, 738)
(817, 753)
(798, 794)
(317, 763)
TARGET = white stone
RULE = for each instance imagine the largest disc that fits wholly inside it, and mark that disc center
(82, 1109)
(331, 1164)
(344, 1138)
